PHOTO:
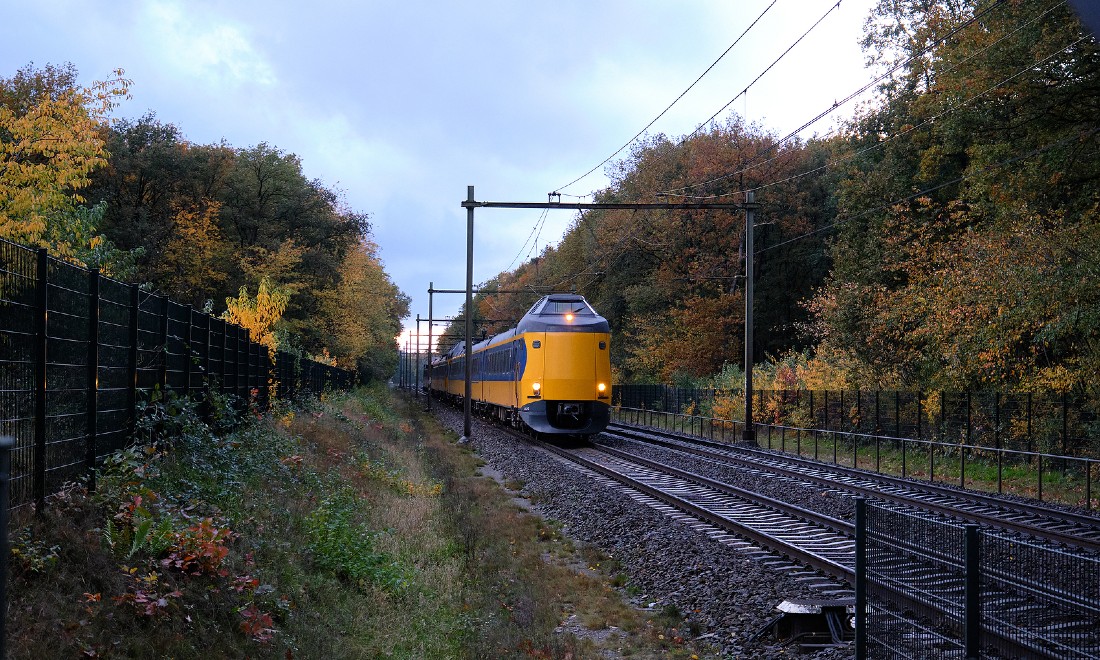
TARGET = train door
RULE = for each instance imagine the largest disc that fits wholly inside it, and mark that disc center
(531, 385)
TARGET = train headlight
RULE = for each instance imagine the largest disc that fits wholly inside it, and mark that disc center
(569, 318)
(601, 388)
(537, 387)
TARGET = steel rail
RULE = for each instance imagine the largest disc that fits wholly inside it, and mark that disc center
(899, 591)
(1087, 537)
(832, 568)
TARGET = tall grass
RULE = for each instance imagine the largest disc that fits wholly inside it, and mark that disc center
(345, 527)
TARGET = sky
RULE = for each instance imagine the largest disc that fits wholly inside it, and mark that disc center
(403, 104)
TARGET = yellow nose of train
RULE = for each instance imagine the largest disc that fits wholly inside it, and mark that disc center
(569, 362)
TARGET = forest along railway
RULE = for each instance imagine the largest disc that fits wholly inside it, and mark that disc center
(1056, 525)
(1031, 609)
(550, 374)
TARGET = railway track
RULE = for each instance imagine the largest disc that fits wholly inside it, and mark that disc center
(1038, 522)
(827, 545)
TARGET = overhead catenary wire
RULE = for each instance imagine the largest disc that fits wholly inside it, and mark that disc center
(674, 102)
(915, 127)
(743, 92)
(535, 230)
(754, 163)
(764, 72)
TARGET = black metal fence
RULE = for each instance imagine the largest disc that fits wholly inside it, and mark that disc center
(962, 449)
(79, 351)
(932, 588)
(1049, 422)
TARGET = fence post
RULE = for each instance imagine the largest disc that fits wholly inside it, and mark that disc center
(861, 578)
(242, 356)
(973, 609)
(969, 442)
(897, 414)
(132, 364)
(208, 383)
(162, 377)
(40, 355)
(6, 444)
(188, 353)
(92, 377)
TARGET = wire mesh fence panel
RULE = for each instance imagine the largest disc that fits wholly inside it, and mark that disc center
(216, 344)
(80, 355)
(115, 378)
(913, 564)
(197, 338)
(1046, 596)
(177, 357)
(67, 387)
(150, 344)
(936, 588)
(18, 278)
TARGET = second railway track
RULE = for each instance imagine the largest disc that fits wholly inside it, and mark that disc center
(826, 544)
(1036, 521)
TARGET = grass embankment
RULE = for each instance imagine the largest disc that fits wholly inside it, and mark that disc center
(345, 528)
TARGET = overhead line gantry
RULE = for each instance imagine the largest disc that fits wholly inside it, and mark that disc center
(749, 206)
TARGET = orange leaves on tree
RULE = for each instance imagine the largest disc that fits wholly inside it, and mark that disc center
(258, 314)
(193, 259)
(48, 151)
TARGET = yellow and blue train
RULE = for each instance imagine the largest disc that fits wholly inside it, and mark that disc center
(551, 373)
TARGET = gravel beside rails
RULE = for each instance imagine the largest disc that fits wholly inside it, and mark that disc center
(721, 591)
(819, 499)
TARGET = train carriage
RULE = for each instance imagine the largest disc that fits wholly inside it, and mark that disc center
(551, 373)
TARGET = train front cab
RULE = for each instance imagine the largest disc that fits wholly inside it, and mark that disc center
(566, 383)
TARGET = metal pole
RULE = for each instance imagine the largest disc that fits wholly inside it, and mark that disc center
(861, 578)
(41, 344)
(466, 409)
(6, 445)
(416, 378)
(973, 607)
(92, 376)
(430, 287)
(750, 431)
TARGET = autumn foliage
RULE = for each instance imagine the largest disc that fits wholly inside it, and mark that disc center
(201, 223)
(945, 237)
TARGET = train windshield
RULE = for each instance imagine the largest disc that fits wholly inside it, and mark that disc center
(575, 306)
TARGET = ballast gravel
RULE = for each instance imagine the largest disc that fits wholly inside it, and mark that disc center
(728, 594)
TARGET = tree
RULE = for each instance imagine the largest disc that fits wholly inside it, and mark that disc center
(191, 264)
(270, 208)
(969, 198)
(259, 315)
(362, 314)
(153, 176)
(51, 140)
